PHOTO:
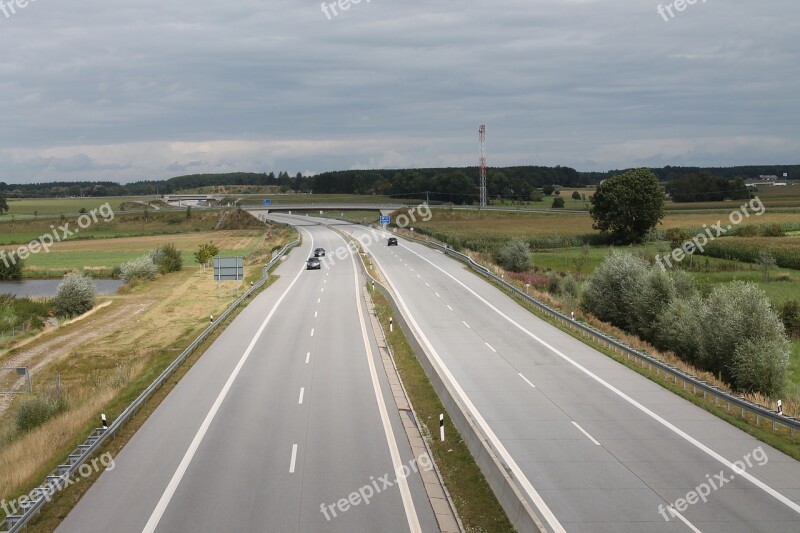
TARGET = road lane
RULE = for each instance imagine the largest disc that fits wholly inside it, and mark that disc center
(268, 461)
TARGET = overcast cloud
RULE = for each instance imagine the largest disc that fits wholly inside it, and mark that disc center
(146, 89)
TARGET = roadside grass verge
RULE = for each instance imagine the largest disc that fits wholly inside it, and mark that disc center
(475, 502)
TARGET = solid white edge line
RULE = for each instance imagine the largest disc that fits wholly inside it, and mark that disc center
(585, 433)
(294, 459)
(758, 483)
(526, 380)
(169, 492)
(405, 492)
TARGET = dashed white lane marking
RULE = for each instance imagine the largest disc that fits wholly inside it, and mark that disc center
(490, 347)
(312, 332)
(302, 392)
(294, 459)
(527, 381)
(585, 433)
(308, 357)
(465, 324)
(450, 308)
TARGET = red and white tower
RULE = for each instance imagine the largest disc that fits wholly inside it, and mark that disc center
(482, 139)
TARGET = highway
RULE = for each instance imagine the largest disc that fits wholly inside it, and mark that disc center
(285, 416)
(595, 446)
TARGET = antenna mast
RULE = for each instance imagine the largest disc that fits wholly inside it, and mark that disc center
(482, 139)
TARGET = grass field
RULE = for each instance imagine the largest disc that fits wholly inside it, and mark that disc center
(48, 207)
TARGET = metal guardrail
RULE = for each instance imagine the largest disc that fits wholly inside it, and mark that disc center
(60, 477)
(758, 411)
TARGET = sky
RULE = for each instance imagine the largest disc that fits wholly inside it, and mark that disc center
(125, 90)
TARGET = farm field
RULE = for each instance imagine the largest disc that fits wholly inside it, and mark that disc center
(49, 207)
(102, 255)
(129, 225)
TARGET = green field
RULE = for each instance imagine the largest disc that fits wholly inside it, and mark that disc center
(53, 207)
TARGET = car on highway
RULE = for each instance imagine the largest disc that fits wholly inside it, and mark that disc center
(392, 241)
(313, 263)
(319, 252)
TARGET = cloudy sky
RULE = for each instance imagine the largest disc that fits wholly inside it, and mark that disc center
(149, 89)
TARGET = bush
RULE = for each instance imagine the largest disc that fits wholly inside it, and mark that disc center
(536, 195)
(558, 203)
(141, 268)
(36, 410)
(576, 195)
(75, 295)
(790, 316)
(738, 313)
(11, 266)
(760, 365)
(679, 328)
(167, 258)
(515, 256)
(612, 290)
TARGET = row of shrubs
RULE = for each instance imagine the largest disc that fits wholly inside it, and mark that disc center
(733, 332)
(163, 260)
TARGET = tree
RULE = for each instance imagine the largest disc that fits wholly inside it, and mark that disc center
(536, 195)
(628, 205)
(576, 195)
(206, 253)
(765, 262)
(548, 189)
(515, 256)
(3, 205)
(558, 203)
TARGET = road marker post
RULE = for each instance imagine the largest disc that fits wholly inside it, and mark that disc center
(441, 427)
(103, 420)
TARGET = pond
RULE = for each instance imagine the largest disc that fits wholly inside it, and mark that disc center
(41, 288)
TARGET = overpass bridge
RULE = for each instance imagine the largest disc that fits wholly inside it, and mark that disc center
(385, 209)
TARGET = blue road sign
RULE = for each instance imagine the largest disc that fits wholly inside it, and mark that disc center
(385, 219)
(267, 201)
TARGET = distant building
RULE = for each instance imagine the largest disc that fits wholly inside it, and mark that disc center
(779, 184)
(768, 178)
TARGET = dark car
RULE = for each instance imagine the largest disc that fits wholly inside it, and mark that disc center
(319, 252)
(313, 263)
(392, 241)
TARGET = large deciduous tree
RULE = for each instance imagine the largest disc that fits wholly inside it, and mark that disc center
(628, 205)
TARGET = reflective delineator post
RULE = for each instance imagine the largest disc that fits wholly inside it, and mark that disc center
(441, 426)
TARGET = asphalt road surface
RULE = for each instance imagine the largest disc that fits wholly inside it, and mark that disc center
(284, 417)
(595, 446)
